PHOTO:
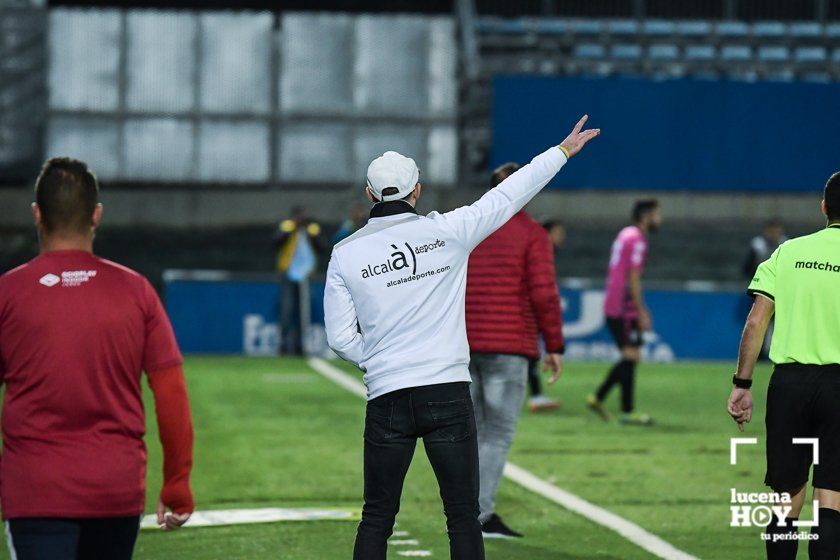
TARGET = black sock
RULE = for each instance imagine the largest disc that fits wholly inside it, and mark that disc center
(628, 377)
(782, 549)
(827, 546)
(612, 378)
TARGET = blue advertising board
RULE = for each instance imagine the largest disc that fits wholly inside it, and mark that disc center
(686, 325)
(674, 134)
(237, 317)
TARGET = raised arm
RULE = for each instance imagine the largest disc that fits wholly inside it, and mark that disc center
(340, 318)
(472, 224)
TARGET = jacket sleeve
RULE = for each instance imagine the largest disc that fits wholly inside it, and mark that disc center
(472, 224)
(340, 318)
(542, 289)
(172, 407)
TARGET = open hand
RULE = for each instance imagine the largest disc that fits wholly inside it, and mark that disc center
(554, 364)
(577, 139)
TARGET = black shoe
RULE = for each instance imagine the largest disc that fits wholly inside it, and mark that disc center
(494, 528)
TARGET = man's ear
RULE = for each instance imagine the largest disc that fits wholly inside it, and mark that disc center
(36, 214)
(824, 210)
(97, 215)
(370, 195)
(417, 189)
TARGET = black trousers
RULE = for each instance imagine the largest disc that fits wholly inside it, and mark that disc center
(443, 416)
(534, 382)
(291, 343)
(110, 538)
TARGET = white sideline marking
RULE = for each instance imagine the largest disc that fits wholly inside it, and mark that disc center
(213, 518)
(529, 481)
(414, 552)
(400, 533)
(404, 542)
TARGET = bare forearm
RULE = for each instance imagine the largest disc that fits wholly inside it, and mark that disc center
(752, 338)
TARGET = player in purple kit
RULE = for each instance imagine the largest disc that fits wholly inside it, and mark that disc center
(626, 314)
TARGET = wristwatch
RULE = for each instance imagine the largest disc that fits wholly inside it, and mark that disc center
(741, 383)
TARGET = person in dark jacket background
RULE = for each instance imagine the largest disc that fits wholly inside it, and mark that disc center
(512, 298)
(298, 243)
(538, 401)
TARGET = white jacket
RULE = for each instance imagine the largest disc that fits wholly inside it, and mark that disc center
(394, 299)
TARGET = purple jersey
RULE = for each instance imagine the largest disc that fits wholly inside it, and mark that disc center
(629, 252)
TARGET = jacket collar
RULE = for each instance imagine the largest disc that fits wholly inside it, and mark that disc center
(391, 208)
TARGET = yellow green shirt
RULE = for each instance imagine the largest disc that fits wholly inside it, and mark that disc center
(802, 277)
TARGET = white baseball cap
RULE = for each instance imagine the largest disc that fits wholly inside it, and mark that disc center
(392, 170)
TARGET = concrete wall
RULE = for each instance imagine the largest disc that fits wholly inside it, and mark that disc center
(183, 208)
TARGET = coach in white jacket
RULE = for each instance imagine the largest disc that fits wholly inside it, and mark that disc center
(394, 306)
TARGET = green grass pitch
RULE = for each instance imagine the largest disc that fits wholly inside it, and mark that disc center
(272, 432)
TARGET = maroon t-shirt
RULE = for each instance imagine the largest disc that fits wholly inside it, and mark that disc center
(76, 333)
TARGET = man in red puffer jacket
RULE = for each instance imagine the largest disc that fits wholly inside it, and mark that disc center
(512, 298)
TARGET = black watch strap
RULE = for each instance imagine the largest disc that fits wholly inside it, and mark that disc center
(741, 383)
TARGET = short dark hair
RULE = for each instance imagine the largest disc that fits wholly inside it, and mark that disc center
(67, 193)
(644, 207)
(390, 191)
(831, 195)
(503, 172)
(550, 224)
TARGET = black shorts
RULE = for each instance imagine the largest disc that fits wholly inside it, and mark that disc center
(625, 331)
(802, 402)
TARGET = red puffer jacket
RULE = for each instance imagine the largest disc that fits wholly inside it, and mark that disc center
(512, 292)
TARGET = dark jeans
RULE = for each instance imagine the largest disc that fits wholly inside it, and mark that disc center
(443, 416)
(290, 327)
(110, 538)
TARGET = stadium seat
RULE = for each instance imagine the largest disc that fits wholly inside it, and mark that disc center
(552, 26)
(663, 52)
(658, 27)
(623, 27)
(626, 52)
(586, 27)
(504, 26)
(769, 29)
(699, 52)
(589, 51)
(693, 28)
(810, 54)
(835, 56)
(805, 29)
(732, 29)
(736, 53)
(780, 75)
(833, 31)
(773, 54)
(511, 26)
(820, 77)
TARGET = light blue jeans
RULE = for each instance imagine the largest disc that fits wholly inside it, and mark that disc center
(499, 383)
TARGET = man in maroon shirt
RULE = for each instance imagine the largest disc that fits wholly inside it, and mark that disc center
(76, 333)
(511, 300)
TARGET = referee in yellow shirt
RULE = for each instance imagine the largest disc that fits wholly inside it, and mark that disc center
(800, 283)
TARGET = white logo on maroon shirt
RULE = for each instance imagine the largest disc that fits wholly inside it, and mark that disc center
(72, 278)
(49, 280)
